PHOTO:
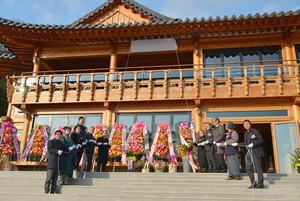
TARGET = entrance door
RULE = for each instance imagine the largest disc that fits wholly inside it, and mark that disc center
(286, 136)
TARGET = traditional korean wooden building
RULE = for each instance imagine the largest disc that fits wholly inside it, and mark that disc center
(124, 62)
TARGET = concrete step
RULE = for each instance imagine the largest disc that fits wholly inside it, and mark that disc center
(151, 186)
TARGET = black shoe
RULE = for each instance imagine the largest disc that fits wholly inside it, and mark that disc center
(223, 171)
(259, 186)
(254, 185)
(51, 192)
(230, 178)
(236, 178)
(46, 192)
(63, 183)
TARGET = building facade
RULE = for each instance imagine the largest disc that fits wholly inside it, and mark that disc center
(124, 63)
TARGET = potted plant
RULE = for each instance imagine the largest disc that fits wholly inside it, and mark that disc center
(296, 159)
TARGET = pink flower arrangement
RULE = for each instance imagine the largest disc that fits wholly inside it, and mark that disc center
(38, 143)
(136, 141)
(186, 130)
(162, 143)
(7, 145)
(116, 141)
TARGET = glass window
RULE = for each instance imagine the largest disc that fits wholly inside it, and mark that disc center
(173, 75)
(251, 56)
(99, 78)
(265, 113)
(58, 121)
(128, 77)
(72, 120)
(188, 74)
(147, 119)
(85, 79)
(42, 120)
(287, 142)
(126, 119)
(270, 58)
(143, 76)
(158, 76)
(92, 120)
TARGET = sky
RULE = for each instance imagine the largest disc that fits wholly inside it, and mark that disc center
(64, 12)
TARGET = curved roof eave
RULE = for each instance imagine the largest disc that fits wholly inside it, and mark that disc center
(6, 22)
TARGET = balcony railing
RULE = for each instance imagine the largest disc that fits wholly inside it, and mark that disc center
(168, 84)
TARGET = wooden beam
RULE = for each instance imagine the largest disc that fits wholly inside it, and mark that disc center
(48, 67)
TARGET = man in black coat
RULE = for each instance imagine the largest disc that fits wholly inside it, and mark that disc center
(253, 141)
(103, 147)
(219, 137)
(89, 150)
(55, 161)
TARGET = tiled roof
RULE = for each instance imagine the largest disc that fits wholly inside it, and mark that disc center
(162, 22)
(7, 56)
(131, 3)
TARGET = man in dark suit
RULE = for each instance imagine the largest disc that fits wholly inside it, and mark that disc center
(253, 141)
(89, 150)
(55, 161)
(103, 147)
(219, 137)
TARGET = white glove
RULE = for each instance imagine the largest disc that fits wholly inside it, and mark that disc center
(214, 142)
(91, 140)
(84, 143)
(79, 145)
(206, 142)
(225, 144)
(59, 152)
(99, 143)
(105, 143)
(201, 144)
(234, 144)
(250, 145)
(74, 146)
(218, 144)
(71, 148)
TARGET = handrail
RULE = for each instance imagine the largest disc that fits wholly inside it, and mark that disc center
(159, 67)
(205, 73)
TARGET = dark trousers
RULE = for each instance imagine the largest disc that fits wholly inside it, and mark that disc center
(78, 155)
(221, 165)
(51, 180)
(87, 161)
(211, 160)
(250, 165)
(103, 166)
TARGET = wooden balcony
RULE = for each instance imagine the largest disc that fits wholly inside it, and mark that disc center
(168, 84)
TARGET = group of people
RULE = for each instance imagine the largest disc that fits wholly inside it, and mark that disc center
(213, 145)
(67, 150)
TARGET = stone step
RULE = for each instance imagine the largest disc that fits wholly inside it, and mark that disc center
(27, 186)
(208, 197)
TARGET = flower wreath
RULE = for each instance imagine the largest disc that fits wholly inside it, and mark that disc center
(37, 143)
(9, 140)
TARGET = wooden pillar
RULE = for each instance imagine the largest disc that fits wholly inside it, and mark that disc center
(113, 62)
(107, 116)
(288, 55)
(198, 115)
(9, 110)
(36, 61)
(296, 110)
(197, 59)
(27, 119)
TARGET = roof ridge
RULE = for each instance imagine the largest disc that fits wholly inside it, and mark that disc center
(131, 3)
